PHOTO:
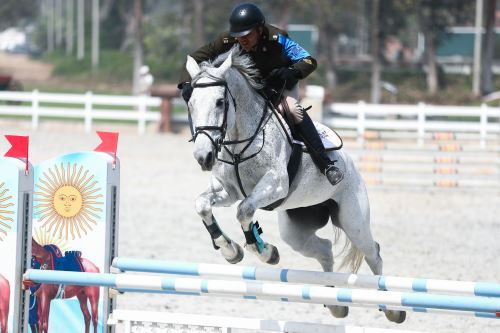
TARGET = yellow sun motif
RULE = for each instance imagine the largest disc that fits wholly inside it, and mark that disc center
(5, 220)
(67, 201)
(43, 237)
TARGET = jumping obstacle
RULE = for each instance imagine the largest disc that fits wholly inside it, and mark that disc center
(488, 307)
(308, 277)
(286, 285)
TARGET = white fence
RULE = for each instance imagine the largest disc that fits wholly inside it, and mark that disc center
(361, 117)
(421, 119)
(88, 107)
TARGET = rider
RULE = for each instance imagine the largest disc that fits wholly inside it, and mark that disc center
(281, 61)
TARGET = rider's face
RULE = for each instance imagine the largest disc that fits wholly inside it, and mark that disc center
(249, 41)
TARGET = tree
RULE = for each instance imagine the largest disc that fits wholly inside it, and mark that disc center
(489, 45)
(435, 16)
(14, 11)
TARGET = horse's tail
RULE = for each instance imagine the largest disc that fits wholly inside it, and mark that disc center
(354, 256)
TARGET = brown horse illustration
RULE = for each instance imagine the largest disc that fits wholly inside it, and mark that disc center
(4, 303)
(48, 292)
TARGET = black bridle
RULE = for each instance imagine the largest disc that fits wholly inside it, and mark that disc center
(219, 143)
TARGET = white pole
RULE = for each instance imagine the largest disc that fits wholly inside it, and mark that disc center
(142, 114)
(95, 33)
(50, 25)
(361, 122)
(421, 123)
(81, 30)
(476, 79)
(59, 22)
(69, 26)
(35, 110)
(483, 121)
(88, 112)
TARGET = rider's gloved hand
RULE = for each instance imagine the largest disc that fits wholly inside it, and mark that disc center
(187, 90)
(287, 77)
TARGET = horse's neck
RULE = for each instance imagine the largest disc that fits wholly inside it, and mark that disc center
(249, 110)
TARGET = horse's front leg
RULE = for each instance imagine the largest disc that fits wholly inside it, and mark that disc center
(217, 196)
(268, 190)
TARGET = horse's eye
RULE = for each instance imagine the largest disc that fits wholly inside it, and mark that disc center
(219, 103)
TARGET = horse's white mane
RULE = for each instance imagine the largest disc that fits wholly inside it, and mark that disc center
(243, 63)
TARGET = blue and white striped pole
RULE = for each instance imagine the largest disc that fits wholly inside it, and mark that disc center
(254, 289)
(309, 277)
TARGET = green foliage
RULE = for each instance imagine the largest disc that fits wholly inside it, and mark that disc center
(113, 65)
(15, 12)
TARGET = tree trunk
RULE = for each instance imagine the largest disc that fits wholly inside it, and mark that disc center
(376, 66)
(137, 46)
(198, 24)
(432, 77)
(489, 45)
(284, 15)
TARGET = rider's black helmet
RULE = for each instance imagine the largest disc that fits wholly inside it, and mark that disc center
(244, 18)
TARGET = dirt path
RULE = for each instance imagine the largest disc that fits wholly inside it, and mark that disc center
(23, 68)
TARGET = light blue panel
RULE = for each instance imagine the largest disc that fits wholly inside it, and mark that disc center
(69, 309)
(83, 213)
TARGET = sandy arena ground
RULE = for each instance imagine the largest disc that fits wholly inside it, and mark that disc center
(447, 235)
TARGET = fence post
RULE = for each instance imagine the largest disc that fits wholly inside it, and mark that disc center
(483, 125)
(88, 111)
(361, 122)
(141, 121)
(35, 105)
(421, 124)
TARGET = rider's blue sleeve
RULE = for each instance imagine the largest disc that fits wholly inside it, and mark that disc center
(292, 50)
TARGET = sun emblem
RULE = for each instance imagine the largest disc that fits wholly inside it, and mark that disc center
(5, 220)
(67, 201)
(42, 237)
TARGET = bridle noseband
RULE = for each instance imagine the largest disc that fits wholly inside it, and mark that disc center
(223, 127)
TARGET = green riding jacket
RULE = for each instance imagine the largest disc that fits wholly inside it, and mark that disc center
(274, 50)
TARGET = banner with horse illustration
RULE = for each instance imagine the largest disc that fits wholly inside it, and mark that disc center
(75, 213)
(16, 184)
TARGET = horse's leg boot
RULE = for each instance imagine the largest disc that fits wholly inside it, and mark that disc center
(310, 136)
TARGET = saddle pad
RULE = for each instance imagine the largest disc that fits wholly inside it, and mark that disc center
(331, 140)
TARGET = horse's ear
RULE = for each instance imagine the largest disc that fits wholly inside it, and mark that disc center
(226, 64)
(192, 66)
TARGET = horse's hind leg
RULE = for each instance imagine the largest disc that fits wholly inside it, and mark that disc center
(353, 215)
(93, 296)
(82, 299)
(212, 197)
(298, 229)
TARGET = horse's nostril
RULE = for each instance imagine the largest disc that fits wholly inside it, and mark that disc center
(209, 157)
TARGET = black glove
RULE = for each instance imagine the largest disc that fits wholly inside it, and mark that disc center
(187, 90)
(279, 77)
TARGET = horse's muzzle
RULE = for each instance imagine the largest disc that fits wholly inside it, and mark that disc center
(207, 161)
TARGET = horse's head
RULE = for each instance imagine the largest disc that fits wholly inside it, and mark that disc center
(41, 255)
(211, 109)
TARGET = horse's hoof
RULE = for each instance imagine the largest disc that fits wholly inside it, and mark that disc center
(338, 311)
(395, 316)
(239, 254)
(274, 258)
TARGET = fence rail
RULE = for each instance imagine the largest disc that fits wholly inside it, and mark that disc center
(86, 106)
(362, 117)
(422, 118)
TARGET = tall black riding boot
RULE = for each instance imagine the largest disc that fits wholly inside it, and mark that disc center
(308, 133)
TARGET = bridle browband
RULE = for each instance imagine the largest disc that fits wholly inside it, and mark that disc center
(219, 143)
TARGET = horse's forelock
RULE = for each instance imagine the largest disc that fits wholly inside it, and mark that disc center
(243, 63)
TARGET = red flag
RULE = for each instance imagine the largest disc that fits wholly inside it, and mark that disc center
(109, 143)
(19, 147)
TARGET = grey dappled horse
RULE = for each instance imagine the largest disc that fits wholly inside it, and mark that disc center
(237, 138)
